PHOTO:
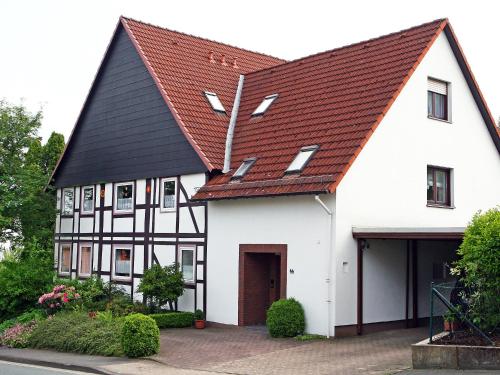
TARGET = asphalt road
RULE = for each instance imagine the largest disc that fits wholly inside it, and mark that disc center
(10, 368)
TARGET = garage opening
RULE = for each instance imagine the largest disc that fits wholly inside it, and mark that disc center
(395, 271)
(262, 280)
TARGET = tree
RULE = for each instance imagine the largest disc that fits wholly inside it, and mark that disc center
(162, 285)
(27, 204)
(479, 268)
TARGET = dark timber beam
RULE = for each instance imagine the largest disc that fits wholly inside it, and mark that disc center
(359, 326)
(414, 273)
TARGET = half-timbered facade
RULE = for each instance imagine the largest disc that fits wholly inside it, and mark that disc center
(344, 179)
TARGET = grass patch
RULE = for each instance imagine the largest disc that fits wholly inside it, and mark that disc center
(173, 319)
(76, 332)
(309, 337)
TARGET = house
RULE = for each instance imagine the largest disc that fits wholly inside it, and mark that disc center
(344, 179)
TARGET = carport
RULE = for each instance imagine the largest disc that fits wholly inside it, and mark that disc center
(394, 268)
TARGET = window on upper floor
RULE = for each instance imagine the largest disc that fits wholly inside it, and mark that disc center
(122, 264)
(301, 159)
(68, 202)
(214, 101)
(187, 263)
(87, 204)
(266, 103)
(168, 194)
(65, 259)
(243, 168)
(438, 186)
(437, 99)
(124, 197)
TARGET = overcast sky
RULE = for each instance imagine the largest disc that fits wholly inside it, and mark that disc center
(50, 50)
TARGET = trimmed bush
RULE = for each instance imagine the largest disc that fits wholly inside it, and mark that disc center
(77, 332)
(285, 318)
(173, 319)
(140, 336)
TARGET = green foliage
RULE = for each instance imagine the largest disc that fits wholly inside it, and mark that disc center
(18, 336)
(309, 337)
(77, 332)
(173, 319)
(23, 281)
(162, 285)
(285, 318)
(198, 315)
(479, 268)
(140, 336)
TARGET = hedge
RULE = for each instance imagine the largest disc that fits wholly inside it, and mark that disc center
(285, 318)
(76, 332)
(173, 319)
(140, 336)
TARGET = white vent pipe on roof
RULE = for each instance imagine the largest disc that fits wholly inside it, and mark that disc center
(232, 124)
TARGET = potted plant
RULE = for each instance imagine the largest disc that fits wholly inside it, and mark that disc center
(450, 321)
(199, 321)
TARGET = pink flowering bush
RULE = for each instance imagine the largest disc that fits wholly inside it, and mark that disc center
(19, 335)
(60, 297)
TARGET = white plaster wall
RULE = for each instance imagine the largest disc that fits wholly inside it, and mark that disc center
(123, 224)
(86, 224)
(297, 221)
(386, 185)
(66, 225)
(191, 183)
(141, 191)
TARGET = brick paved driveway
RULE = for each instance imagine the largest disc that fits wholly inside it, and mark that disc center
(251, 351)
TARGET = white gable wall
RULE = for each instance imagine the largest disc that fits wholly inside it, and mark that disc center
(386, 185)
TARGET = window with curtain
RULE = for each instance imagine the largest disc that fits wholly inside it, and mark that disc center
(67, 202)
(85, 260)
(187, 264)
(437, 99)
(123, 264)
(438, 186)
(65, 260)
(169, 194)
(88, 199)
(124, 197)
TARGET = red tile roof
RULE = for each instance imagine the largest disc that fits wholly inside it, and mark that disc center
(182, 66)
(334, 99)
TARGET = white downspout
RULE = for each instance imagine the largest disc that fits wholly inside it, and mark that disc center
(329, 264)
(232, 124)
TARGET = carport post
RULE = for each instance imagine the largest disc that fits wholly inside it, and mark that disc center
(359, 325)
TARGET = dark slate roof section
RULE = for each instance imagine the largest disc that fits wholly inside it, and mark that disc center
(125, 130)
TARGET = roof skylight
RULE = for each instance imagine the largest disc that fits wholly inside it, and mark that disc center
(262, 108)
(302, 158)
(243, 168)
(214, 101)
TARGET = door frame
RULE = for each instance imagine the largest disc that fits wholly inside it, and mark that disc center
(277, 249)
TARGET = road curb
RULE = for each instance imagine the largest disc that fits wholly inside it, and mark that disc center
(58, 365)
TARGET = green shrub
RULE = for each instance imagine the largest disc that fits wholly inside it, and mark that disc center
(479, 268)
(285, 318)
(309, 337)
(173, 319)
(162, 285)
(27, 317)
(140, 336)
(18, 336)
(77, 332)
(198, 315)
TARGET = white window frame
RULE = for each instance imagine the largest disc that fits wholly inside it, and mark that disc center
(59, 268)
(115, 203)
(113, 262)
(63, 213)
(79, 268)
(162, 194)
(311, 150)
(82, 211)
(264, 105)
(188, 248)
(214, 101)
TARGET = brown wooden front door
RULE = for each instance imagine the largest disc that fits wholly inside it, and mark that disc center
(261, 283)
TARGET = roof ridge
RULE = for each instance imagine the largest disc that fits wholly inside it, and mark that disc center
(202, 38)
(437, 21)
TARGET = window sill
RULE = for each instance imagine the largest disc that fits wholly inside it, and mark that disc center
(66, 216)
(440, 206)
(84, 214)
(439, 119)
(166, 210)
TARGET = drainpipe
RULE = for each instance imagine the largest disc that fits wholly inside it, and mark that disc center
(329, 264)
(232, 124)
